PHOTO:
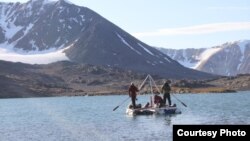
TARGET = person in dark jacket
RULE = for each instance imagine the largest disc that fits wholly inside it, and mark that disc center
(132, 93)
(166, 92)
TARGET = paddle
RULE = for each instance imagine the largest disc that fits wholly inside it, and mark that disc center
(121, 103)
(179, 100)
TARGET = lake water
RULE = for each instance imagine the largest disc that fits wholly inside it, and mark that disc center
(90, 118)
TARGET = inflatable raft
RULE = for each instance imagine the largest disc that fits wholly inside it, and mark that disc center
(152, 107)
(166, 110)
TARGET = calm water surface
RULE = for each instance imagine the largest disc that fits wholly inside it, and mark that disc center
(92, 118)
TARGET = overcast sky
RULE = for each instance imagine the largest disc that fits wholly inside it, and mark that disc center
(176, 23)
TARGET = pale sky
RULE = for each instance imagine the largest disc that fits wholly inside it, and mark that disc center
(176, 23)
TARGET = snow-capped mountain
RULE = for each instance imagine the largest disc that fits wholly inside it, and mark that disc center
(40, 24)
(80, 35)
(227, 59)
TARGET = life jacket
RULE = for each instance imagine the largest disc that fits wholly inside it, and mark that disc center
(166, 88)
(132, 91)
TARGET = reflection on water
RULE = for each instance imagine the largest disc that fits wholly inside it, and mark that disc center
(93, 118)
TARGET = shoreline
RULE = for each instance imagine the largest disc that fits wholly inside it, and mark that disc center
(112, 94)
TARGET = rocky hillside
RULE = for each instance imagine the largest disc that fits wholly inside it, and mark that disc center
(62, 78)
(44, 26)
(240, 82)
(73, 79)
(228, 59)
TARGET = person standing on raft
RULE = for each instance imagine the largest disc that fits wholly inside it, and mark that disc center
(166, 92)
(132, 93)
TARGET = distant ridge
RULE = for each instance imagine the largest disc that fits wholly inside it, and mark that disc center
(228, 59)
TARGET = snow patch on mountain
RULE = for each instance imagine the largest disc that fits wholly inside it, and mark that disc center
(10, 29)
(167, 59)
(28, 29)
(44, 1)
(206, 55)
(127, 44)
(148, 51)
(49, 1)
(242, 46)
(188, 64)
(68, 2)
(32, 57)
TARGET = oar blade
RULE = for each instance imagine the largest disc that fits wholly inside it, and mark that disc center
(115, 108)
(179, 100)
(183, 104)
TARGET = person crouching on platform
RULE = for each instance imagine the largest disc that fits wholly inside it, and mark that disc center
(132, 93)
(158, 101)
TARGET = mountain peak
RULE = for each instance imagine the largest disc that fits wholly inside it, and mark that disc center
(66, 1)
(44, 2)
(45, 25)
